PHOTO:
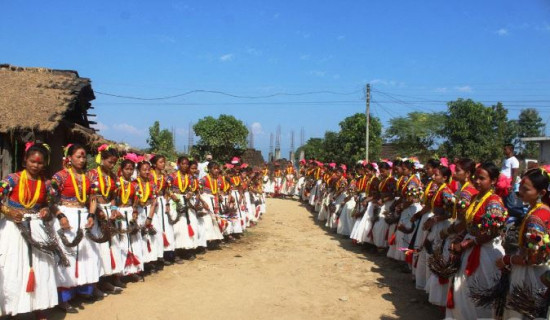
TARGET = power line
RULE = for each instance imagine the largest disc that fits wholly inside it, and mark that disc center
(227, 94)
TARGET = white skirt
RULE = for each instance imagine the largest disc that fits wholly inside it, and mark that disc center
(167, 240)
(485, 275)
(421, 270)
(84, 258)
(15, 269)
(131, 249)
(402, 240)
(240, 212)
(109, 251)
(299, 186)
(528, 276)
(363, 226)
(186, 236)
(381, 227)
(437, 291)
(346, 221)
(314, 193)
(324, 213)
(210, 221)
(149, 243)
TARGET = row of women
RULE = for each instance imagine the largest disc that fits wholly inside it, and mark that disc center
(85, 232)
(449, 227)
(280, 180)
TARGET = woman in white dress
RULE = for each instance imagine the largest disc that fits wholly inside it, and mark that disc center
(27, 266)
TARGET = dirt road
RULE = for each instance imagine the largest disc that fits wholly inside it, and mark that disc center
(287, 267)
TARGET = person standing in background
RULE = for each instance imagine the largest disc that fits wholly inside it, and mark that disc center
(203, 166)
(510, 169)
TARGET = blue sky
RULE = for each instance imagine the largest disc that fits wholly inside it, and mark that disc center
(415, 54)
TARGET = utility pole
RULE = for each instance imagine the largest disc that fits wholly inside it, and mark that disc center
(368, 122)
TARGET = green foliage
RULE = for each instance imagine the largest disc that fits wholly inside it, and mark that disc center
(223, 137)
(476, 131)
(529, 124)
(347, 145)
(416, 134)
(161, 142)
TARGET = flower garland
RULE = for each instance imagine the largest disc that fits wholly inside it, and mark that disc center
(125, 195)
(181, 186)
(104, 191)
(143, 197)
(75, 185)
(25, 192)
(213, 186)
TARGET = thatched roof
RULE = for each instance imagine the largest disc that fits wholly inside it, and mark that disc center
(39, 98)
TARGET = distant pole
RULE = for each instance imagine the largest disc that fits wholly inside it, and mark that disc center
(368, 122)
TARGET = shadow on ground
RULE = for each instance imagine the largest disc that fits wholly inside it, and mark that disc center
(409, 303)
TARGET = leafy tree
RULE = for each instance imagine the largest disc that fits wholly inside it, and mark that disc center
(529, 124)
(474, 130)
(161, 141)
(352, 138)
(313, 148)
(416, 134)
(347, 145)
(223, 137)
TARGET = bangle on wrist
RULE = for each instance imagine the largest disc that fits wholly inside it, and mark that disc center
(91, 215)
(149, 218)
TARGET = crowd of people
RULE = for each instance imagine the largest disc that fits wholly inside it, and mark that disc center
(87, 233)
(446, 223)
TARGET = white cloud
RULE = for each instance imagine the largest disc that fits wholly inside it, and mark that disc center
(166, 39)
(441, 90)
(227, 57)
(502, 32)
(463, 89)
(253, 51)
(100, 126)
(128, 129)
(256, 128)
(318, 73)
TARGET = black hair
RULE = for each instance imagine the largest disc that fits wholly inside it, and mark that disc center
(370, 167)
(397, 162)
(408, 164)
(491, 169)
(74, 148)
(339, 169)
(193, 162)
(142, 163)
(538, 177)
(125, 162)
(156, 159)
(383, 165)
(467, 164)
(181, 158)
(509, 145)
(434, 163)
(38, 148)
(446, 172)
(212, 164)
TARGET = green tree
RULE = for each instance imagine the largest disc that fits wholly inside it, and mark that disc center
(223, 137)
(313, 148)
(529, 124)
(416, 134)
(352, 138)
(161, 141)
(476, 131)
(347, 145)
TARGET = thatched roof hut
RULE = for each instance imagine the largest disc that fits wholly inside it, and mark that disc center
(46, 105)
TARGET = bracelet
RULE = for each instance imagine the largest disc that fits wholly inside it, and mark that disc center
(91, 215)
(60, 216)
(149, 218)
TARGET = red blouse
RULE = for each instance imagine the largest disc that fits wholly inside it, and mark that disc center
(66, 187)
(13, 181)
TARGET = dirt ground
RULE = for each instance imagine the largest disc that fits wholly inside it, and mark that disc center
(287, 267)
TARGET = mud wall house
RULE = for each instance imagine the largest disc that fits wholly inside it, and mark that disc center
(46, 105)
